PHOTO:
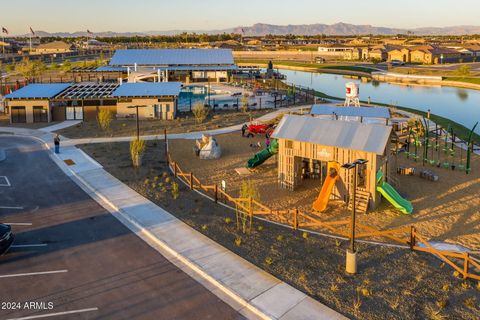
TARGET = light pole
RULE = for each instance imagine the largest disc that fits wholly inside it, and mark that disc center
(136, 119)
(351, 260)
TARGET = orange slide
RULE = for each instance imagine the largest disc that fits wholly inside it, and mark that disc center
(321, 203)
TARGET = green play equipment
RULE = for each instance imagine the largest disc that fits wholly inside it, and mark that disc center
(263, 155)
(389, 193)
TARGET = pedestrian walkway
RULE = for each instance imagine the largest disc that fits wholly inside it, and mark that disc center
(61, 125)
(249, 290)
(189, 135)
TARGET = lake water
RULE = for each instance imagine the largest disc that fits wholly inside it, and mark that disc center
(458, 104)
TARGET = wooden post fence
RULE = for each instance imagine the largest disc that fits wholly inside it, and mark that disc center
(465, 265)
(175, 168)
(191, 181)
(412, 237)
(295, 219)
(216, 193)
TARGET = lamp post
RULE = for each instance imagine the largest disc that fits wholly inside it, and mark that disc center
(351, 260)
(136, 119)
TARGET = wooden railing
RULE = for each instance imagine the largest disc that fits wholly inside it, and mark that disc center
(302, 220)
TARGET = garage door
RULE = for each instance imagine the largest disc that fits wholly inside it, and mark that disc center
(40, 114)
(18, 115)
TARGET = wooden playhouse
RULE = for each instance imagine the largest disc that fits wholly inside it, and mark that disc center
(310, 146)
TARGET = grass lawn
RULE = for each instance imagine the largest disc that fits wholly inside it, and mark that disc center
(467, 80)
(392, 283)
(460, 130)
(320, 67)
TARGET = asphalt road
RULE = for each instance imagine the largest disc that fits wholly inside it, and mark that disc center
(83, 259)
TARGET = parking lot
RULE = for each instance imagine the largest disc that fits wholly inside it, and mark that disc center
(73, 260)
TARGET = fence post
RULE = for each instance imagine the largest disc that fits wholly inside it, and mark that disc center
(216, 193)
(465, 265)
(175, 168)
(295, 219)
(165, 142)
(191, 181)
(251, 210)
(412, 237)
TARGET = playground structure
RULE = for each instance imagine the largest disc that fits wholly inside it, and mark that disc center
(352, 92)
(462, 262)
(207, 148)
(438, 145)
(263, 155)
(309, 147)
(321, 203)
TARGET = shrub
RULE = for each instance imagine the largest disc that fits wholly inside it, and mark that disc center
(104, 119)
(200, 112)
(238, 241)
(244, 103)
(228, 220)
(268, 260)
(260, 228)
(175, 190)
(305, 235)
(137, 148)
(204, 227)
(280, 237)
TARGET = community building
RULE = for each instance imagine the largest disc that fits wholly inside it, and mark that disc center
(83, 101)
(184, 65)
(310, 146)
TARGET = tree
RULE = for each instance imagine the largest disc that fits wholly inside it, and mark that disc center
(30, 69)
(104, 119)
(248, 190)
(200, 112)
(66, 65)
(463, 71)
(245, 103)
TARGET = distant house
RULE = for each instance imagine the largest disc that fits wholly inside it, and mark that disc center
(471, 50)
(52, 47)
(400, 54)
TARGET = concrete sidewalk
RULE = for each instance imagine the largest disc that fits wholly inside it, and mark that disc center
(246, 288)
(189, 135)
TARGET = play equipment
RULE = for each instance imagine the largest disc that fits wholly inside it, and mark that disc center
(389, 193)
(207, 148)
(321, 203)
(258, 128)
(351, 95)
(263, 155)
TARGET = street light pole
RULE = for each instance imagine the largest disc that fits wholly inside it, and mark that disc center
(352, 220)
(138, 125)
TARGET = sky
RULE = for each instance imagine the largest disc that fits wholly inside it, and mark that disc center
(159, 15)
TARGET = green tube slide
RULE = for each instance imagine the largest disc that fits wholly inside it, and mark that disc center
(389, 193)
(263, 155)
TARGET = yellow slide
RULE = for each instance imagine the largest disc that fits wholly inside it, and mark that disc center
(321, 203)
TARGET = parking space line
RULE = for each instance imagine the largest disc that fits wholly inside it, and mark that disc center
(5, 182)
(29, 245)
(46, 315)
(31, 273)
(12, 208)
(18, 223)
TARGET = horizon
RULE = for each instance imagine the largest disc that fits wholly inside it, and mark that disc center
(145, 15)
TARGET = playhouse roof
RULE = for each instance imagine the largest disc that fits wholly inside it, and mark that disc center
(341, 134)
(366, 112)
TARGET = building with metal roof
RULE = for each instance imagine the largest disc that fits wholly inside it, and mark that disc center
(357, 112)
(163, 65)
(310, 146)
(172, 57)
(38, 91)
(83, 101)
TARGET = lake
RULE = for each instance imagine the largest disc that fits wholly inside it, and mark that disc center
(458, 104)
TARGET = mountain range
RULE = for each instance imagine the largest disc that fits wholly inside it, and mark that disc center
(261, 29)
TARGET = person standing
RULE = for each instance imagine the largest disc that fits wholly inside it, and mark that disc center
(244, 128)
(56, 142)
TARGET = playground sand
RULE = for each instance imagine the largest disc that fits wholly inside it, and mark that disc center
(184, 123)
(392, 283)
(447, 210)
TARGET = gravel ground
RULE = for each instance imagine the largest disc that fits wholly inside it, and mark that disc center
(392, 283)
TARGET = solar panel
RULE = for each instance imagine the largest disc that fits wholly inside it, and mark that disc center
(88, 91)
